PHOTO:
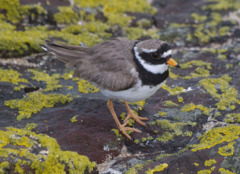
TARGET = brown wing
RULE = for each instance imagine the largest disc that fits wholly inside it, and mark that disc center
(109, 64)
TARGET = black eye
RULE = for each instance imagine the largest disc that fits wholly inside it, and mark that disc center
(155, 55)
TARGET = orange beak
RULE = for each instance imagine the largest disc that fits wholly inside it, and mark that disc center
(172, 62)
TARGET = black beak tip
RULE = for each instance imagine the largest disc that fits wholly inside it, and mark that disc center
(178, 66)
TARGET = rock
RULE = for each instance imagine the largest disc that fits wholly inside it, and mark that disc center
(193, 124)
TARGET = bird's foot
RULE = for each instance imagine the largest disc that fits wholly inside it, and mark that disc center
(124, 129)
(135, 117)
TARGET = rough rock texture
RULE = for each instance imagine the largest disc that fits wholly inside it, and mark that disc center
(51, 122)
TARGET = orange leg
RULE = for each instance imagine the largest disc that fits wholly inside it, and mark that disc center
(134, 116)
(121, 127)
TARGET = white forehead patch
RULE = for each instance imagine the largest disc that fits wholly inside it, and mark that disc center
(166, 54)
(148, 50)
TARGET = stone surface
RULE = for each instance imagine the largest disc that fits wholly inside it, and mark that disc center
(193, 124)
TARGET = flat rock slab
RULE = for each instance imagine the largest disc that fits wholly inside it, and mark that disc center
(193, 124)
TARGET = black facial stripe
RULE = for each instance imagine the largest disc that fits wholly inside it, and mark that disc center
(148, 58)
(147, 77)
(164, 48)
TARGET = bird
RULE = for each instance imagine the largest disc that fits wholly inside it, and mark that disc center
(126, 70)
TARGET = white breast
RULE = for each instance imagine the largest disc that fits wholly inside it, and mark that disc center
(137, 93)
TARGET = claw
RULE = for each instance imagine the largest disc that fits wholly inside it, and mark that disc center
(122, 127)
(134, 116)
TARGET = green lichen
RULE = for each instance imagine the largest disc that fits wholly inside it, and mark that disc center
(210, 162)
(219, 5)
(134, 169)
(31, 126)
(18, 88)
(197, 18)
(227, 150)
(144, 23)
(217, 136)
(51, 81)
(170, 103)
(232, 118)
(51, 159)
(34, 102)
(13, 9)
(22, 42)
(66, 15)
(86, 87)
(117, 133)
(94, 27)
(11, 76)
(173, 91)
(191, 106)
(4, 166)
(115, 11)
(224, 171)
(172, 129)
(207, 28)
(134, 33)
(157, 168)
(144, 139)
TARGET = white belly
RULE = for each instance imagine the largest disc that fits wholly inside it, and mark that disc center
(134, 94)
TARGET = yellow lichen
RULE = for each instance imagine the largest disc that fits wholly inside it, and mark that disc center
(210, 162)
(136, 33)
(217, 136)
(30, 126)
(18, 88)
(162, 113)
(227, 150)
(52, 160)
(157, 168)
(180, 99)
(173, 91)
(201, 70)
(139, 104)
(169, 103)
(204, 172)
(11, 76)
(51, 81)
(191, 106)
(232, 118)
(172, 129)
(32, 103)
(116, 10)
(224, 171)
(229, 95)
(4, 166)
(66, 15)
(74, 119)
(196, 164)
(86, 87)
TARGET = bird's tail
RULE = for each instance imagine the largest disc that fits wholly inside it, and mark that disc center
(69, 54)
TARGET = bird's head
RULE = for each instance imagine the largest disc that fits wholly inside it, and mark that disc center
(154, 54)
